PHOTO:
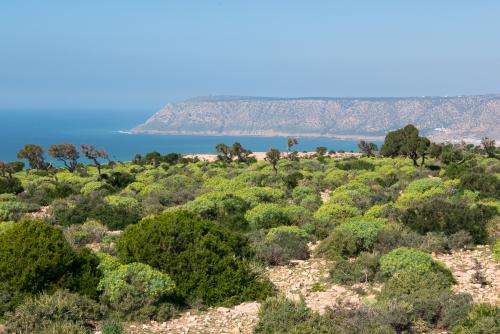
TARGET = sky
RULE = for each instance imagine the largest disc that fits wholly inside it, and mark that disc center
(123, 54)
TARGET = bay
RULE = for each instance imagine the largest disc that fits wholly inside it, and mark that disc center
(108, 129)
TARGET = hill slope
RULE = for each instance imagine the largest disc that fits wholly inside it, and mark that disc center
(442, 118)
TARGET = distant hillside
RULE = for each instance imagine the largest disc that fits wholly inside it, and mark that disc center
(441, 118)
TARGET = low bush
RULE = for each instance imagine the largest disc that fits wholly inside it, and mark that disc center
(338, 243)
(266, 215)
(89, 232)
(364, 231)
(112, 326)
(280, 316)
(496, 250)
(81, 208)
(134, 291)
(421, 300)
(442, 216)
(206, 261)
(394, 236)
(408, 259)
(40, 314)
(482, 319)
(35, 257)
(355, 164)
(282, 244)
(10, 186)
(363, 269)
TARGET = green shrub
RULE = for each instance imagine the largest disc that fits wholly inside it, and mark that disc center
(496, 250)
(482, 319)
(10, 186)
(89, 232)
(364, 231)
(362, 269)
(408, 259)
(331, 214)
(282, 244)
(206, 261)
(131, 289)
(227, 209)
(355, 164)
(82, 208)
(266, 215)
(278, 315)
(112, 326)
(282, 316)
(442, 216)
(39, 314)
(66, 327)
(298, 215)
(394, 236)
(35, 257)
(425, 298)
(338, 243)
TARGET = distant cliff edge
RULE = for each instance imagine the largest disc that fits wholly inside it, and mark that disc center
(442, 118)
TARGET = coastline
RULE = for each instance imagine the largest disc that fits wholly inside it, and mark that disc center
(256, 134)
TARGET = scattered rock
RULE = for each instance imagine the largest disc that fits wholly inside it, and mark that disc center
(476, 273)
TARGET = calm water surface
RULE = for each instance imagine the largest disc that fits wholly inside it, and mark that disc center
(102, 128)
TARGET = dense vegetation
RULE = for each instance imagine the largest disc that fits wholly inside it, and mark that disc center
(110, 241)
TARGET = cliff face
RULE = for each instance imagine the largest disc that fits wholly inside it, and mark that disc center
(442, 118)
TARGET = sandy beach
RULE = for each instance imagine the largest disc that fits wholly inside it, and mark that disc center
(262, 155)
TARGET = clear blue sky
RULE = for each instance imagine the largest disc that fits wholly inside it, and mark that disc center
(142, 54)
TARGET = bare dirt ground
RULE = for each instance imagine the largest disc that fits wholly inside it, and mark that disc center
(476, 273)
(301, 279)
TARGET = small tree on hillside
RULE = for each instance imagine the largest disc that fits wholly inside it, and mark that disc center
(224, 152)
(273, 156)
(367, 149)
(94, 154)
(66, 153)
(238, 151)
(489, 146)
(321, 151)
(7, 169)
(290, 143)
(34, 154)
(405, 142)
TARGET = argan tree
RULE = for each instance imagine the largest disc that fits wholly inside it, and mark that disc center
(224, 151)
(405, 142)
(34, 154)
(489, 146)
(7, 169)
(241, 153)
(273, 156)
(367, 149)
(94, 154)
(66, 153)
(290, 143)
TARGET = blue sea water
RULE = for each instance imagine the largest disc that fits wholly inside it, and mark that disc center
(107, 129)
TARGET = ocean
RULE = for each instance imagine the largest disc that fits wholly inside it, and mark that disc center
(108, 129)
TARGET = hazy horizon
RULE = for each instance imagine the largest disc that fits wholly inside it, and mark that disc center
(127, 55)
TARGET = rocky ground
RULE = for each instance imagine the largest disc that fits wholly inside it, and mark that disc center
(307, 279)
(476, 273)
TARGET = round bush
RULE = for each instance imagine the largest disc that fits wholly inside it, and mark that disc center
(334, 214)
(365, 232)
(35, 257)
(133, 290)
(206, 261)
(266, 215)
(409, 259)
(39, 314)
(282, 244)
(482, 319)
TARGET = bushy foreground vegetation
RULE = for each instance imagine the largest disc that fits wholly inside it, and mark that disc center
(109, 242)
